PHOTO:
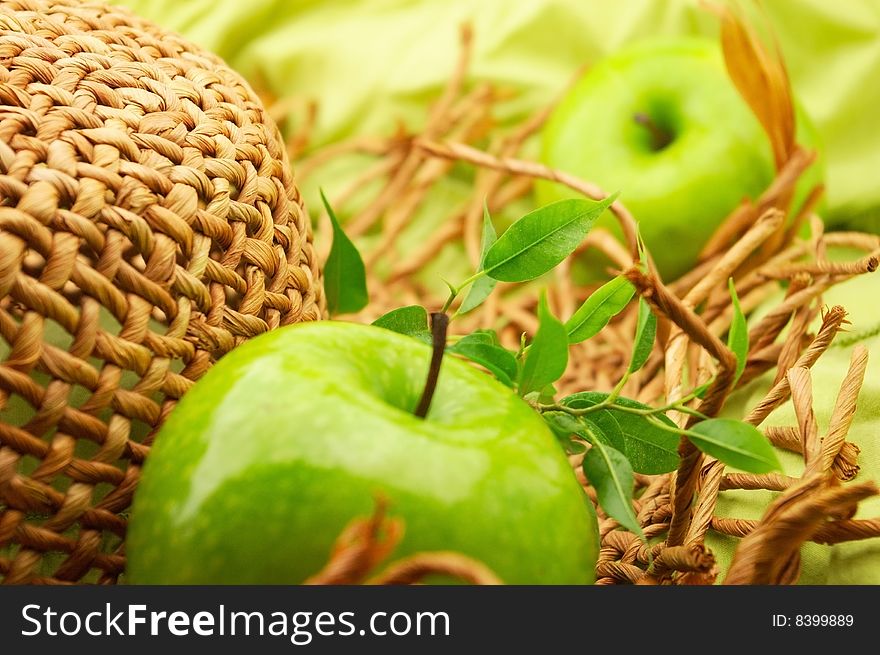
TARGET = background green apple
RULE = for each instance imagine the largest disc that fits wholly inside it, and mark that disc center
(288, 438)
(662, 122)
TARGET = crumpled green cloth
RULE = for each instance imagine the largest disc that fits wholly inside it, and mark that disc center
(370, 62)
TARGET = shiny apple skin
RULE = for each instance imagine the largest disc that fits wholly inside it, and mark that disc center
(291, 436)
(719, 154)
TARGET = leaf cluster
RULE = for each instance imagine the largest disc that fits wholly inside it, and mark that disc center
(618, 436)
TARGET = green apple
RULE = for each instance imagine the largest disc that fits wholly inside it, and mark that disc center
(662, 122)
(291, 436)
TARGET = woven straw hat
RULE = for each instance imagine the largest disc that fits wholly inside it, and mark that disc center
(149, 223)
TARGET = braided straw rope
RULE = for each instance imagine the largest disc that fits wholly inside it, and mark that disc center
(149, 223)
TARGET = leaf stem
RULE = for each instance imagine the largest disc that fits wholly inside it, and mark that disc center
(573, 411)
(618, 388)
(439, 326)
(454, 291)
(473, 278)
(649, 414)
(453, 294)
(610, 403)
(685, 399)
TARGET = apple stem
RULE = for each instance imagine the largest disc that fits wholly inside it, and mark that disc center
(439, 325)
(660, 138)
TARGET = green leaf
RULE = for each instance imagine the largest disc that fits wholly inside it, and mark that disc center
(607, 428)
(547, 395)
(480, 336)
(541, 239)
(738, 337)
(547, 355)
(646, 330)
(600, 425)
(603, 304)
(497, 360)
(736, 444)
(481, 289)
(345, 279)
(483, 286)
(490, 336)
(411, 320)
(648, 448)
(571, 446)
(563, 423)
(611, 475)
(563, 427)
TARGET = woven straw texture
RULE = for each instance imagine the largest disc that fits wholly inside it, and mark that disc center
(149, 222)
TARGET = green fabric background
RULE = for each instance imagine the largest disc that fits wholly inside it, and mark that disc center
(370, 62)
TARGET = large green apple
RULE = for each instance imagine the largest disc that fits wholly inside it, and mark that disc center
(290, 436)
(662, 122)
